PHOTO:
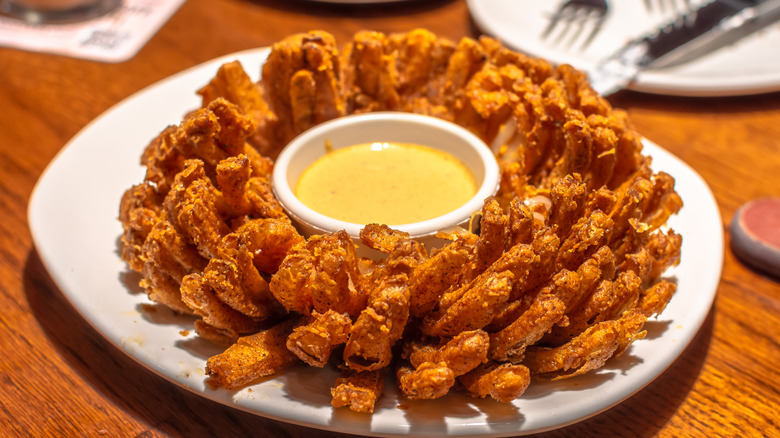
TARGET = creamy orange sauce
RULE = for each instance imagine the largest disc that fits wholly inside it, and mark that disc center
(386, 183)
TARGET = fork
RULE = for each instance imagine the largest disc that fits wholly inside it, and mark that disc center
(664, 6)
(571, 19)
(682, 10)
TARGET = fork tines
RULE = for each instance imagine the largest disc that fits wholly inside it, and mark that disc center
(575, 24)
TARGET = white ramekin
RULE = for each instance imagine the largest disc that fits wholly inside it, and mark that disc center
(396, 127)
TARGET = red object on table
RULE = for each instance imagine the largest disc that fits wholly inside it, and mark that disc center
(755, 234)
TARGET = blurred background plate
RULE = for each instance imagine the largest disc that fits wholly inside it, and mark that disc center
(749, 66)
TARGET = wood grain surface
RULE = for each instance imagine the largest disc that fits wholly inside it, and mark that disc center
(59, 377)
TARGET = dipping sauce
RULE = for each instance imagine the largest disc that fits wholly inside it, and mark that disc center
(386, 183)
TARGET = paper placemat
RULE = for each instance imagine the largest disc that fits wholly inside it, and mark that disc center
(114, 37)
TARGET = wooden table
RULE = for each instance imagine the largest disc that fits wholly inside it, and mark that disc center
(59, 377)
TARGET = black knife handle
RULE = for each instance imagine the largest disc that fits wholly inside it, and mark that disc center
(693, 25)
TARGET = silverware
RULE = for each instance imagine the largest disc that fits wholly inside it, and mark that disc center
(576, 20)
(707, 28)
(664, 6)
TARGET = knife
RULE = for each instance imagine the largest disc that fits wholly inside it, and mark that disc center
(693, 34)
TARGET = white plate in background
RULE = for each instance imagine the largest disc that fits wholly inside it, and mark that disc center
(749, 66)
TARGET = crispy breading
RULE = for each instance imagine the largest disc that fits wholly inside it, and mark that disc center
(520, 228)
(492, 235)
(371, 72)
(461, 354)
(230, 293)
(587, 235)
(358, 390)
(197, 293)
(168, 258)
(561, 274)
(567, 201)
(654, 299)
(246, 187)
(608, 300)
(197, 208)
(302, 83)
(210, 134)
(320, 274)
(468, 58)
(381, 324)
(503, 382)
(267, 240)
(546, 247)
(314, 340)
(475, 307)
(139, 211)
(414, 60)
(438, 273)
(251, 357)
(429, 380)
(233, 84)
(517, 261)
(588, 351)
(510, 343)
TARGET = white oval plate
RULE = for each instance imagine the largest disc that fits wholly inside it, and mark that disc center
(749, 66)
(73, 219)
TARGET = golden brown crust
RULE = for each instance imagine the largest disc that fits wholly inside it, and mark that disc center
(315, 340)
(561, 275)
(589, 350)
(464, 352)
(502, 382)
(427, 381)
(251, 357)
(358, 390)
